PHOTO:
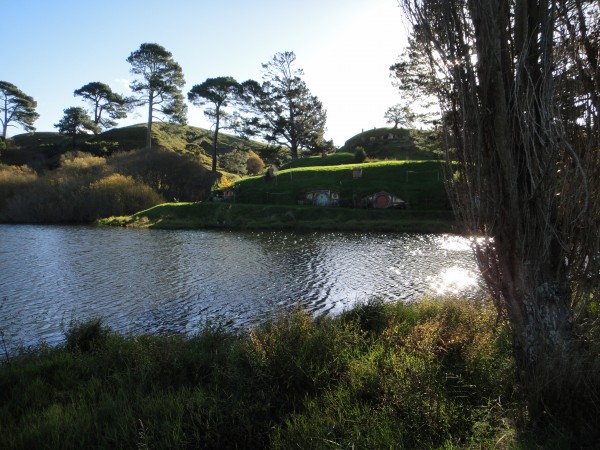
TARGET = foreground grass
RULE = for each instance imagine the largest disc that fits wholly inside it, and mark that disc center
(285, 217)
(429, 375)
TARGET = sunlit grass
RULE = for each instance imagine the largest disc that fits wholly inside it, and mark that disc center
(420, 183)
(429, 375)
(284, 217)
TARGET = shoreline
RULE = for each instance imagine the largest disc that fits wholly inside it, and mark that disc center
(235, 216)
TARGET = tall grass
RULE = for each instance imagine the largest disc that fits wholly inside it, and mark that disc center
(83, 189)
(437, 374)
(14, 179)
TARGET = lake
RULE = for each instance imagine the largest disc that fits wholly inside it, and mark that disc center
(155, 281)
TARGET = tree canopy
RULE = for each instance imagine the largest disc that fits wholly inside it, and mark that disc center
(414, 74)
(158, 85)
(400, 115)
(104, 101)
(282, 110)
(17, 107)
(218, 92)
(76, 122)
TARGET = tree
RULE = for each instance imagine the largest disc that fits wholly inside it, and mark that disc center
(235, 161)
(525, 160)
(414, 74)
(159, 84)
(76, 122)
(281, 109)
(400, 115)
(17, 107)
(218, 92)
(104, 101)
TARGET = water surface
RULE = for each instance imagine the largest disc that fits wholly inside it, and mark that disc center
(174, 281)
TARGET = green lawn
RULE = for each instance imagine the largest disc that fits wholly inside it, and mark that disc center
(420, 183)
(285, 217)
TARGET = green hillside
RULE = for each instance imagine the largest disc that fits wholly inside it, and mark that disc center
(274, 200)
(184, 138)
(42, 149)
(418, 182)
(396, 143)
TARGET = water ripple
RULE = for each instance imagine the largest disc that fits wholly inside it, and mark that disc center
(176, 281)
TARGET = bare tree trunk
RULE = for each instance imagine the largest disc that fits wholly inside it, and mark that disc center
(5, 122)
(149, 127)
(215, 141)
(520, 183)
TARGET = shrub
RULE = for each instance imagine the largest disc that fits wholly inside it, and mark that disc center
(222, 183)
(173, 175)
(118, 195)
(254, 165)
(295, 382)
(14, 179)
(100, 148)
(360, 154)
(370, 316)
(83, 189)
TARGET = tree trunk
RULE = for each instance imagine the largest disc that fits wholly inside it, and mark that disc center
(149, 128)
(293, 132)
(215, 141)
(5, 123)
(522, 185)
(543, 344)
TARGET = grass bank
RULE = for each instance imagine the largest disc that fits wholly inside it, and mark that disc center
(273, 203)
(284, 217)
(437, 374)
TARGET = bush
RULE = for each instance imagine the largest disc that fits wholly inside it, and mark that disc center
(14, 179)
(83, 189)
(118, 195)
(370, 316)
(100, 148)
(173, 175)
(295, 382)
(254, 165)
(360, 155)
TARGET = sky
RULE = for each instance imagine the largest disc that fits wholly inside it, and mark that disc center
(345, 48)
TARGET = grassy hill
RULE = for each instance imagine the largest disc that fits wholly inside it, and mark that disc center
(184, 138)
(43, 149)
(334, 159)
(396, 143)
(418, 182)
(277, 201)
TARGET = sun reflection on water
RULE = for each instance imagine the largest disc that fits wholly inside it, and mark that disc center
(453, 280)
